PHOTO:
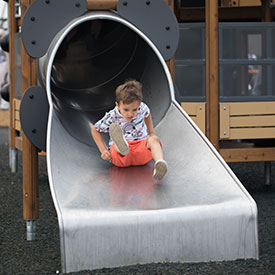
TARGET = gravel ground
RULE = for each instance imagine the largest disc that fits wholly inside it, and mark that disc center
(17, 256)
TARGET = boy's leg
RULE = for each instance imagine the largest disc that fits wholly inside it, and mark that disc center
(160, 167)
(121, 145)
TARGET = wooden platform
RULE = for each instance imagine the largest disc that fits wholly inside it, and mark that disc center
(4, 118)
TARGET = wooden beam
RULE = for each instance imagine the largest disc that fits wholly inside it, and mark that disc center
(112, 4)
(29, 151)
(225, 14)
(248, 154)
(102, 4)
(212, 72)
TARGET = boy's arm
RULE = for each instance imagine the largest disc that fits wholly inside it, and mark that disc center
(149, 123)
(105, 153)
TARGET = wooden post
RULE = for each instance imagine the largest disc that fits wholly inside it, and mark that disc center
(29, 151)
(212, 72)
(171, 63)
(12, 31)
(266, 10)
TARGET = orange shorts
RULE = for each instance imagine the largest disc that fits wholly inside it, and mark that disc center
(139, 154)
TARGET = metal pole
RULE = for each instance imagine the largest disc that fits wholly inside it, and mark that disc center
(267, 172)
(31, 230)
(13, 153)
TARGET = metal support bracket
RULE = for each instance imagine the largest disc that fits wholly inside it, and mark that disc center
(34, 110)
(13, 157)
(31, 230)
(156, 20)
(44, 19)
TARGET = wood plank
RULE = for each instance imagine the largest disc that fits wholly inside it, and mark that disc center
(252, 121)
(252, 108)
(16, 115)
(112, 4)
(225, 13)
(102, 4)
(17, 125)
(17, 103)
(200, 118)
(224, 121)
(249, 3)
(248, 154)
(196, 110)
(250, 133)
(191, 108)
(18, 143)
(4, 118)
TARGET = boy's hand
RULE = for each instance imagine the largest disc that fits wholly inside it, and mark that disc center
(106, 155)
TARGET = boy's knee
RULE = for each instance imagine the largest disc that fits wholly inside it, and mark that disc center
(152, 140)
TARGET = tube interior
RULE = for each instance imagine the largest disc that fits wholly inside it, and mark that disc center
(93, 59)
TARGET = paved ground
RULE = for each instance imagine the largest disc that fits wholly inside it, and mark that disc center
(17, 256)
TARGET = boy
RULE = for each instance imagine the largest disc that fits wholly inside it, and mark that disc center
(130, 126)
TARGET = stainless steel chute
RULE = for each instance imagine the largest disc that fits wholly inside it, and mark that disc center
(112, 216)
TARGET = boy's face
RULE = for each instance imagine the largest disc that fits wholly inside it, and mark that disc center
(128, 111)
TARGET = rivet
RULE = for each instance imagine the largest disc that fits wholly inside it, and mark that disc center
(26, 195)
(125, 3)
(148, 3)
(31, 96)
(32, 18)
(200, 108)
(167, 28)
(224, 133)
(33, 42)
(33, 131)
(77, 5)
(224, 108)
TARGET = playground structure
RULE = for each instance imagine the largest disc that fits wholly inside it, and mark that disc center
(237, 120)
(169, 209)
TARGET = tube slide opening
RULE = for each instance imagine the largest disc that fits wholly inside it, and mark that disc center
(90, 58)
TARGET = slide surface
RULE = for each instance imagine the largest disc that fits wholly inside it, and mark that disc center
(111, 216)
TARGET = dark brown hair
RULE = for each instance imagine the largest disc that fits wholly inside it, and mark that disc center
(129, 92)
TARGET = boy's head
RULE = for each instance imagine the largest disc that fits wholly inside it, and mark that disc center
(128, 98)
(129, 92)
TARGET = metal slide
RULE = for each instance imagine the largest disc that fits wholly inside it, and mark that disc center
(111, 216)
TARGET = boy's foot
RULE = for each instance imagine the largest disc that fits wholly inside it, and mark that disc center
(160, 169)
(121, 145)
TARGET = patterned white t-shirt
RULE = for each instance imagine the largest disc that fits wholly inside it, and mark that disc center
(133, 130)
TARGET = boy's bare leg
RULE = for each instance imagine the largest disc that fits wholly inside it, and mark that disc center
(153, 144)
(160, 167)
